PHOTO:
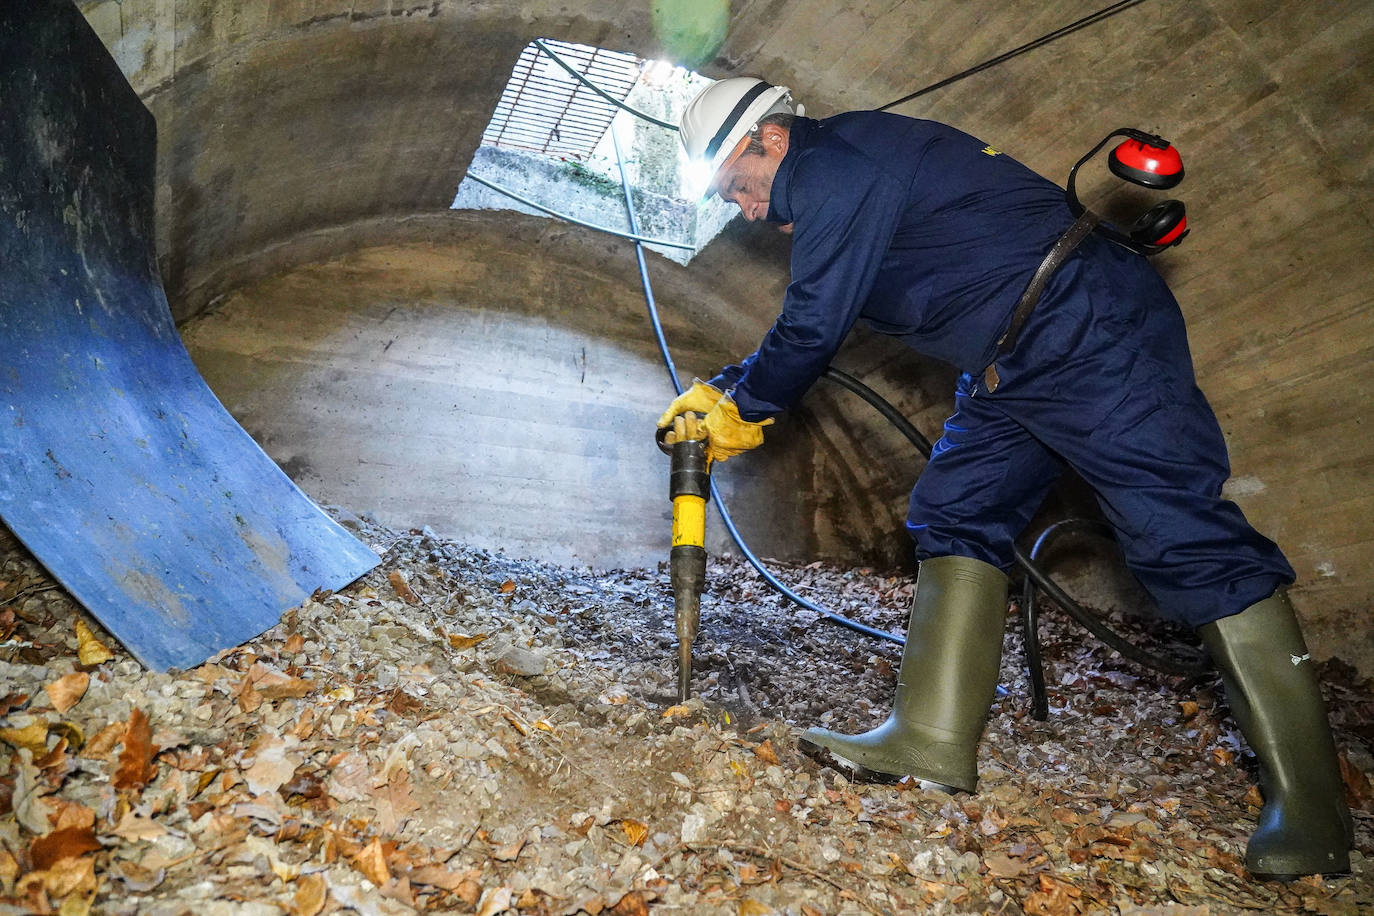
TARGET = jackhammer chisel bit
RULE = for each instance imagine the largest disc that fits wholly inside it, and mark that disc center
(689, 487)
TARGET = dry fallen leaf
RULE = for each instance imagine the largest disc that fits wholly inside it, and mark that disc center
(766, 753)
(311, 893)
(292, 688)
(33, 736)
(103, 744)
(507, 587)
(294, 643)
(1223, 757)
(494, 900)
(632, 904)
(89, 650)
(1253, 796)
(436, 876)
(73, 814)
(66, 877)
(751, 907)
(135, 826)
(402, 587)
(136, 767)
(463, 641)
(371, 861)
(9, 870)
(68, 843)
(676, 710)
(510, 852)
(636, 832)
(67, 691)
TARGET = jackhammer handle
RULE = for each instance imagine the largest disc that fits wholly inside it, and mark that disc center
(685, 426)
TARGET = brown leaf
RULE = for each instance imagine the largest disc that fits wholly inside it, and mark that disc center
(311, 893)
(89, 650)
(632, 904)
(12, 701)
(1001, 865)
(1253, 796)
(463, 641)
(136, 767)
(1189, 708)
(636, 832)
(1357, 789)
(9, 870)
(273, 764)
(402, 588)
(394, 803)
(1054, 898)
(1223, 757)
(507, 587)
(133, 826)
(68, 876)
(510, 852)
(67, 691)
(68, 843)
(751, 907)
(292, 688)
(675, 710)
(766, 753)
(33, 736)
(103, 744)
(73, 814)
(494, 900)
(438, 876)
(294, 643)
(371, 861)
(468, 891)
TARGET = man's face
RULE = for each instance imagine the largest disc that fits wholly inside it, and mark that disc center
(746, 179)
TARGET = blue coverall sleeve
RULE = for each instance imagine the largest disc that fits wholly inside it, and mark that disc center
(845, 208)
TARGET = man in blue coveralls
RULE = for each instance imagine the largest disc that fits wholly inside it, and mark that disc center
(932, 236)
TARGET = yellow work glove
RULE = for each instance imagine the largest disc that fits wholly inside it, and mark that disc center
(726, 434)
(700, 398)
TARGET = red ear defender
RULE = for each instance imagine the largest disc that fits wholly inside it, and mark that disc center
(1152, 162)
(1143, 164)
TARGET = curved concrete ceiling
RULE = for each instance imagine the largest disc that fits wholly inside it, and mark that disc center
(293, 131)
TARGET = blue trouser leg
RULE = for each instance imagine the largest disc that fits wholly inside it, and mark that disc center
(1102, 379)
(986, 477)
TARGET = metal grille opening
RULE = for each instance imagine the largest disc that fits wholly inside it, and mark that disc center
(544, 109)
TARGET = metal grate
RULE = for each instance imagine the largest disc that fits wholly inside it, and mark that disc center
(544, 109)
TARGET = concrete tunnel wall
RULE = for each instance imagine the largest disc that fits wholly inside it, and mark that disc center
(299, 134)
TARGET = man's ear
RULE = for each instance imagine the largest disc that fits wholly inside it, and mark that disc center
(774, 138)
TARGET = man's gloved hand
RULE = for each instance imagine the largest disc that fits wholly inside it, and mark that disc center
(726, 434)
(700, 398)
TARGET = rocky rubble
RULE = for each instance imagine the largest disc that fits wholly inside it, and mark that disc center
(465, 732)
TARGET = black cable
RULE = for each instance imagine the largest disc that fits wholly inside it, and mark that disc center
(1086, 21)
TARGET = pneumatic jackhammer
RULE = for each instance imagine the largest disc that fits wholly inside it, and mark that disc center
(689, 487)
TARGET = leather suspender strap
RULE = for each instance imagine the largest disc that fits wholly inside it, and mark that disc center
(1058, 254)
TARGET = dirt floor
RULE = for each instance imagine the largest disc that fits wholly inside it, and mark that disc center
(464, 732)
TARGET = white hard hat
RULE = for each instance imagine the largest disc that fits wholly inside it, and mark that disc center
(725, 111)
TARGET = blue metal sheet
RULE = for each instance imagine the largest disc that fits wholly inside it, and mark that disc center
(119, 469)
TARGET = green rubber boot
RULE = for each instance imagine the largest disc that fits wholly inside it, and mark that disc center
(1305, 826)
(947, 682)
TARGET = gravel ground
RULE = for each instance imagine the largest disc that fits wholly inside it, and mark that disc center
(465, 732)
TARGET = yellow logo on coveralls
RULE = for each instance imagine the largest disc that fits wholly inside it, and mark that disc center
(990, 151)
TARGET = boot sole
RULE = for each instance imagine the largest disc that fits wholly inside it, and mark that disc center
(857, 772)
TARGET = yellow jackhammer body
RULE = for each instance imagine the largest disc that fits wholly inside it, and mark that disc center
(689, 487)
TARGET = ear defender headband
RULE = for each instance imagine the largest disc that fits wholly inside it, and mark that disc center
(1151, 162)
